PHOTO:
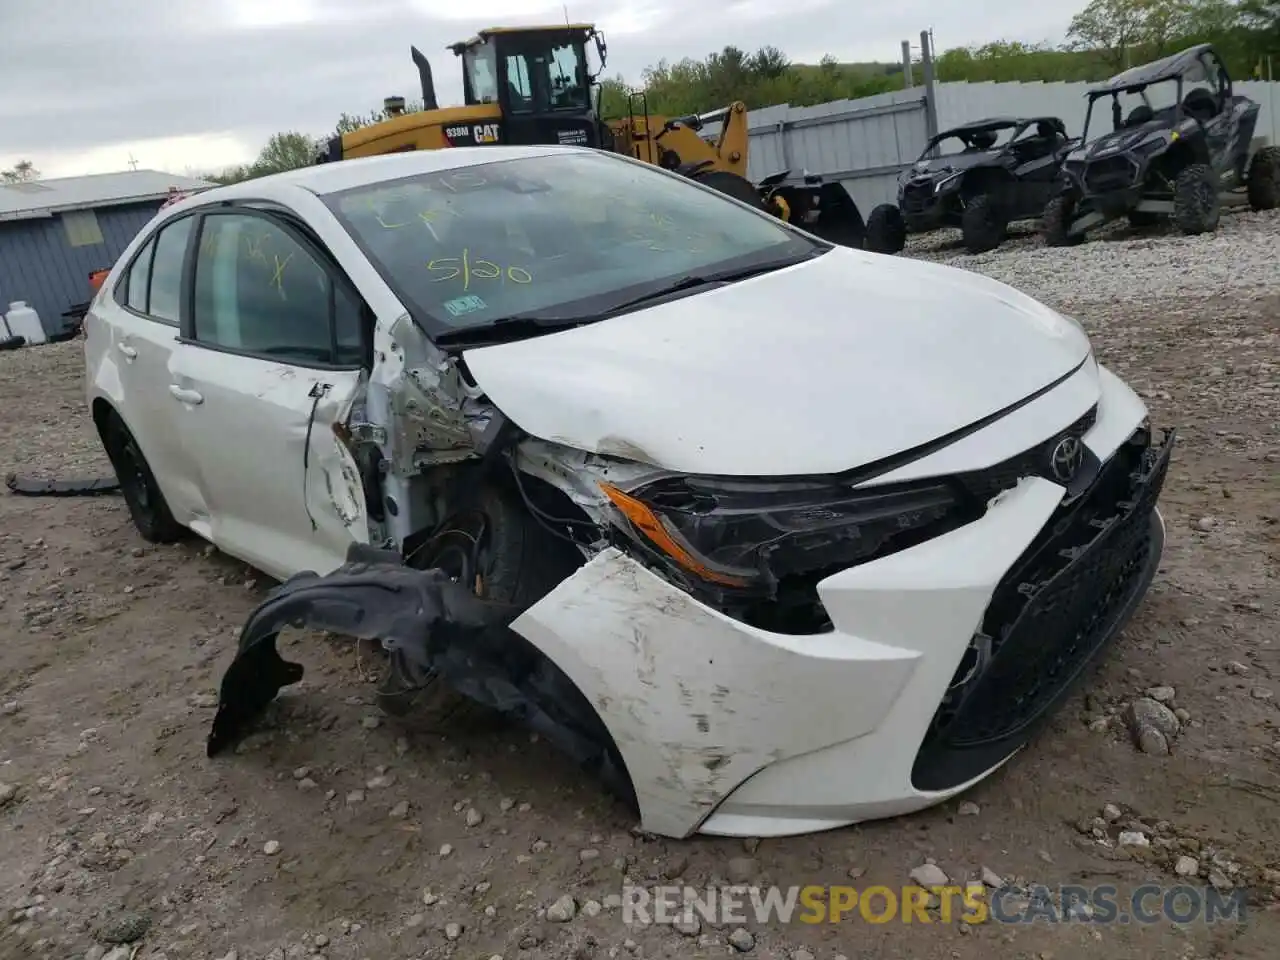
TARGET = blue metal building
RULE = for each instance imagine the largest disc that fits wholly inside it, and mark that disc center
(54, 233)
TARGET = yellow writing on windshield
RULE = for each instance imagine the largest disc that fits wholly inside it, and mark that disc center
(470, 268)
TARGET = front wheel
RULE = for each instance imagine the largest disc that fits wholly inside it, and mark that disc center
(1197, 205)
(1263, 183)
(886, 229)
(1058, 217)
(981, 225)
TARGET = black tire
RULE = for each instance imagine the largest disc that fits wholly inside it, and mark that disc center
(1056, 223)
(886, 230)
(982, 226)
(1197, 205)
(1264, 179)
(1143, 219)
(731, 185)
(147, 506)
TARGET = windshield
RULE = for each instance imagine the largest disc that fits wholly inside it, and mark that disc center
(480, 63)
(1159, 101)
(956, 142)
(562, 235)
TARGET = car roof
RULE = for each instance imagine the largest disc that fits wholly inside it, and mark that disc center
(327, 178)
(1166, 68)
(994, 123)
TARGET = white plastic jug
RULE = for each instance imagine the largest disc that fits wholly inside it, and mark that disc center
(23, 321)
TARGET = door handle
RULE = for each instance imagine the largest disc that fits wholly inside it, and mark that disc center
(128, 351)
(186, 396)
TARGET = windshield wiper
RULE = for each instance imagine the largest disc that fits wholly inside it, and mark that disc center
(505, 328)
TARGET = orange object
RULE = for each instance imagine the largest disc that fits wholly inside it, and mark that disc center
(97, 279)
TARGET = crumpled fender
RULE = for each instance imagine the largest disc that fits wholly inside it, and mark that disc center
(371, 596)
(432, 624)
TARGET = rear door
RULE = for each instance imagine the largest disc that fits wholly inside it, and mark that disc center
(144, 313)
(268, 365)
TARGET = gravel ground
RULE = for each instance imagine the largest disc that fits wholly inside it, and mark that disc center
(340, 834)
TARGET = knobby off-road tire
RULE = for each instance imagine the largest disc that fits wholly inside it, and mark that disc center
(1263, 183)
(147, 506)
(1197, 205)
(886, 230)
(982, 226)
(1056, 223)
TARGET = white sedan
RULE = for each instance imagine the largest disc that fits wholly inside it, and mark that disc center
(775, 536)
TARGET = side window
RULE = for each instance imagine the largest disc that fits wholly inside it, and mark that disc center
(166, 270)
(138, 280)
(258, 290)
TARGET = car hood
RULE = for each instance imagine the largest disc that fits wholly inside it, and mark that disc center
(822, 367)
(1118, 141)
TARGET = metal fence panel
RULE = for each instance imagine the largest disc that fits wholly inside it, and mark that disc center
(865, 143)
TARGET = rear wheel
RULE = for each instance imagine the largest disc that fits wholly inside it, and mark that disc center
(142, 494)
(1058, 217)
(886, 230)
(1264, 179)
(982, 226)
(1197, 205)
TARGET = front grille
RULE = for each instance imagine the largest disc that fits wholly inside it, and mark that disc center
(1113, 173)
(985, 484)
(1068, 594)
(916, 197)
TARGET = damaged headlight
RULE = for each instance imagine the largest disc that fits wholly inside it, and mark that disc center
(748, 535)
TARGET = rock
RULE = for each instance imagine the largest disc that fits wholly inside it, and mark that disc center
(968, 809)
(452, 931)
(563, 910)
(380, 782)
(1261, 693)
(1183, 715)
(591, 908)
(801, 954)
(1219, 881)
(1111, 813)
(1236, 668)
(271, 848)
(124, 927)
(1146, 717)
(741, 870)
(96, 952)
(354, 797)
(429, 898)
(446, 849)
(203, 701)
(306, 783)
(929, 875)
(7, 793)
(688, 925)
(399, 811)
(118, 953)
(371, 723)
(992, 879)
(742, 939)
(10, 709)
(539, 846)
(321, 941)
(524, 808)
(505, 804)
(474, 817)
(1161, 694)
(586, 856)
(1186, 866)
(1133, 838)
(1204, 524)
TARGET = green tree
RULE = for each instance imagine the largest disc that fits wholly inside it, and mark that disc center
(1114, 28)
(24, 171)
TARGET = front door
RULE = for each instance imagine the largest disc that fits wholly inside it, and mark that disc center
(271, 362)
(545, 95)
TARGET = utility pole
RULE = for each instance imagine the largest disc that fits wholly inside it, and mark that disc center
(908, 81)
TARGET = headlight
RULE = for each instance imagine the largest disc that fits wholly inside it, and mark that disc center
(747, 535)
(948, 183)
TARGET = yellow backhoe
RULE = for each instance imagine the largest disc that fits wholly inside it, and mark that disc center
(532, 85)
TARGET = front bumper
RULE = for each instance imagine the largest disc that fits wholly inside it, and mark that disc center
(727, 729)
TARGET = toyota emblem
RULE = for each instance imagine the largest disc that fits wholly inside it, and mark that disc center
(1066, 459)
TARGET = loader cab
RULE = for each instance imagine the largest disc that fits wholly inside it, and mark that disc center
(540, 79)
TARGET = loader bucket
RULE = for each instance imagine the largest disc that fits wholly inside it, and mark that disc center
(825, 210)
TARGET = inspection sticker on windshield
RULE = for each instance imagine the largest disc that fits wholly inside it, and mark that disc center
(463, 305)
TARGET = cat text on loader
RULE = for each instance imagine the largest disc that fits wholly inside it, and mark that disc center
(532, 85)
(678, 144)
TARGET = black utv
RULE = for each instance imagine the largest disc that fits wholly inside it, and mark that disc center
(1179, 147)
(979, 177)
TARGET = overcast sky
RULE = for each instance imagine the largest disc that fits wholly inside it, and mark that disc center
(200, 84)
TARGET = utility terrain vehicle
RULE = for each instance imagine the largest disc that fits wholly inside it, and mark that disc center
(1179, 147)
(979, 177)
